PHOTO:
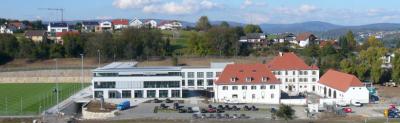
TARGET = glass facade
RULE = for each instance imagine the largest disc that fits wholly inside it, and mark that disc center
(200, 82)
(190, 74)
(104, 84)
(151, 93)
(209, 74)
(138, 93)
(176, 93)
(200, 74)
(98, 94)
(190, 82)
(161, 84)
(210, 82)
(127, 94)
(163, 93)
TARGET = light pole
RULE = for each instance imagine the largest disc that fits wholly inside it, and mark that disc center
(57, 87)
(82, 71)
(98, 54)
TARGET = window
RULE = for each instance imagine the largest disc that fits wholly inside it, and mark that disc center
(161, 84)
(234, 96)
(314, 72)
(210, 82)
(248, 79)
(200, 82)
(163, 94)
(253, 87)
(138, 94)
(314, 79)
(264, 79)
(151, 93)
(300, 72)
(126, 94)
(263, 87)
(244, 87)
(233, 79)
(272, 87)
(209, 74)
(279, 79)
(305, 79)
(286, 72)
(253, 96)
(279, 72)
(234, 87)
(191, 82)
(104, 84)
(113, 94)
(300, 79)
(183, 83)
(183, 74)
(286, 80)
(272, 96)
(200, 74)
(224, 87)
(98, 94)
(190, 74)
(294, 72)
(175, 93)
(305, 72)
(218, 73)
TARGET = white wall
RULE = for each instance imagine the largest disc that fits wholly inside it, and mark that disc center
(360, 94)
(294, 101)
(186, 71)
(267, 96)
(296, 84)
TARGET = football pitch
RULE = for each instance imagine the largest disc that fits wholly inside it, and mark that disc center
(33, 98)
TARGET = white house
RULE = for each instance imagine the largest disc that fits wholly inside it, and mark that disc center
(305, 39)
(104, 26)
(89, 26)
(295, 75)
(151, 23)
(170, 25)
(387, 60)
(338, 87)
(120, 23)
(4, 29)
(53, 28)
(247, 83)
(136, 23)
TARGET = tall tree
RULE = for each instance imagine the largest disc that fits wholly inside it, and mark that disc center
(9, 44)
(198, 45)
(73, 45)
(251, 28)
(396, 68)
(352, 43)
(26, 49)
(203, 24)
(285, 112)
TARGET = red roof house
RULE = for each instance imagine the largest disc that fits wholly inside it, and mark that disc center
(340, 81)
(239, 74)
(120, 22)
(289, 61)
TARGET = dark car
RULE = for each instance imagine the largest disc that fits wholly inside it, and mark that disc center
(182, 110)
(168, 101)
(211, 110)
(235, 108)
(204, 111)
(246, 108)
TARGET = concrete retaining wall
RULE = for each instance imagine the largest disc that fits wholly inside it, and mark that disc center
(294, 101)
(97, 115)
(46, 76)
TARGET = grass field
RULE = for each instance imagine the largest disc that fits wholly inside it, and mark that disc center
(32, 98)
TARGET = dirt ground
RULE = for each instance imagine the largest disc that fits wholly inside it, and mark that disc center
(388, 92)
(94, 106)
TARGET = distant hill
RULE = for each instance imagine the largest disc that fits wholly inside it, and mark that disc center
(311, 26)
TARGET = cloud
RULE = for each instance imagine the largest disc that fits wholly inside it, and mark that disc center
(174, 8)
(256, 18)
(247, 3)
(374, 12)
(103, 17)
(305, 8)
(297, 11)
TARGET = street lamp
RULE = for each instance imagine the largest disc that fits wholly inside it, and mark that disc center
(57, 87)
(98, 54)
(82, 71)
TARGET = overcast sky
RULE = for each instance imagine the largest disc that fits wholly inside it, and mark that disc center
(344, 12)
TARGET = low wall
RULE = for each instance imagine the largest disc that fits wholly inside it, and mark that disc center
(46, 76)
(294, 101)
(97, 115)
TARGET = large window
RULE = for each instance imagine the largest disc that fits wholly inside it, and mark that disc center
(209, 74)
(183, 74)
(151, 93)
(234, 87)
(183, 83)
(190, 82)
(263, 87)
(176, 93)
(138, 94)
(244, 87)
(200, 74)
(190, 74)
(113, 94)
(161, 84)
(253, 87)
(104, 84)
(200, 82)
(314, 72)
(272, 87)
(163, 93)
(218, 73)
(98, 94)
(224, 87)
(210, 82)
(126, 94)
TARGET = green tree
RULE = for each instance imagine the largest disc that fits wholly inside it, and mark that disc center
(223, 40)
(203, 24)
(285, 112)
(56, 51)
(351, 41)
(396, 68)
(251, 28)
(198, 45)
(224, 24)
(347, 66)
(73, 45)
(26, 49)
(9, 44)
(361, 70)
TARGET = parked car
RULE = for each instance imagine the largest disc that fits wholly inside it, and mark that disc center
(182, 111)
(190, 110)
(347, 110)
(211, 110)
(254, 108)
(124, 105)
(168, 100)
(177, 106)
(157, 100)
(246, 108)
(356, 103)
(235, 108)
(163, 106)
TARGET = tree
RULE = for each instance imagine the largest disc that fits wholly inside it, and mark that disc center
(198, 45)
(347, 66)
(396, 68)
(251, 28)
(26, 49)
(285, 112)
(56, 51)
(224, 24)
(371, 42)
(37, 25)
(73, 45)
(203, 24)
(9, 44)
(223, 40)
(351, 41)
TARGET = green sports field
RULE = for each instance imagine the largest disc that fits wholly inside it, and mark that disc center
(32, 98)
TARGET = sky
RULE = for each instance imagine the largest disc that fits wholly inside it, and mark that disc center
(343, 12)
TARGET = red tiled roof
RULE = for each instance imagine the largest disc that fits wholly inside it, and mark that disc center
(303, 36)
(120, 22)
(340, 81)
(242, 71)
(324, 43)
(60, 34)
(289, 61)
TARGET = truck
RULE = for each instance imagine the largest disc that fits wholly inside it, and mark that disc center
(123, 105)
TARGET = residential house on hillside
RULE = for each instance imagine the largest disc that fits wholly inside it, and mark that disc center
(170, 25)
(341, 88)
(296, 76)
(17, 25)
(89, 26)
(120, 23)
(285, 37)
(150, 23)
(247, 83)
(305, 39)
(136, 23)
(387, 60)
(324, 43)
(257, 40)
(36, 35)
(53, 28)
(105, 26)
(59, 36)
(5, 30)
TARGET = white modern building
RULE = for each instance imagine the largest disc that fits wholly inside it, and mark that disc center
(136, 23)
(104, 26)
(57, 27)
(5, 30)
(295, 75)
(151, 23)
(247, 83)
(338, 87)
(126, 80)
(170, 25)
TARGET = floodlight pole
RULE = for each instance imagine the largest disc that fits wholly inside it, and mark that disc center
(98, 53)
(57, 87)
(82, 71)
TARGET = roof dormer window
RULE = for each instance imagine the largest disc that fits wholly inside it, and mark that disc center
(264, 79)
(248, 79)
(233, 79)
